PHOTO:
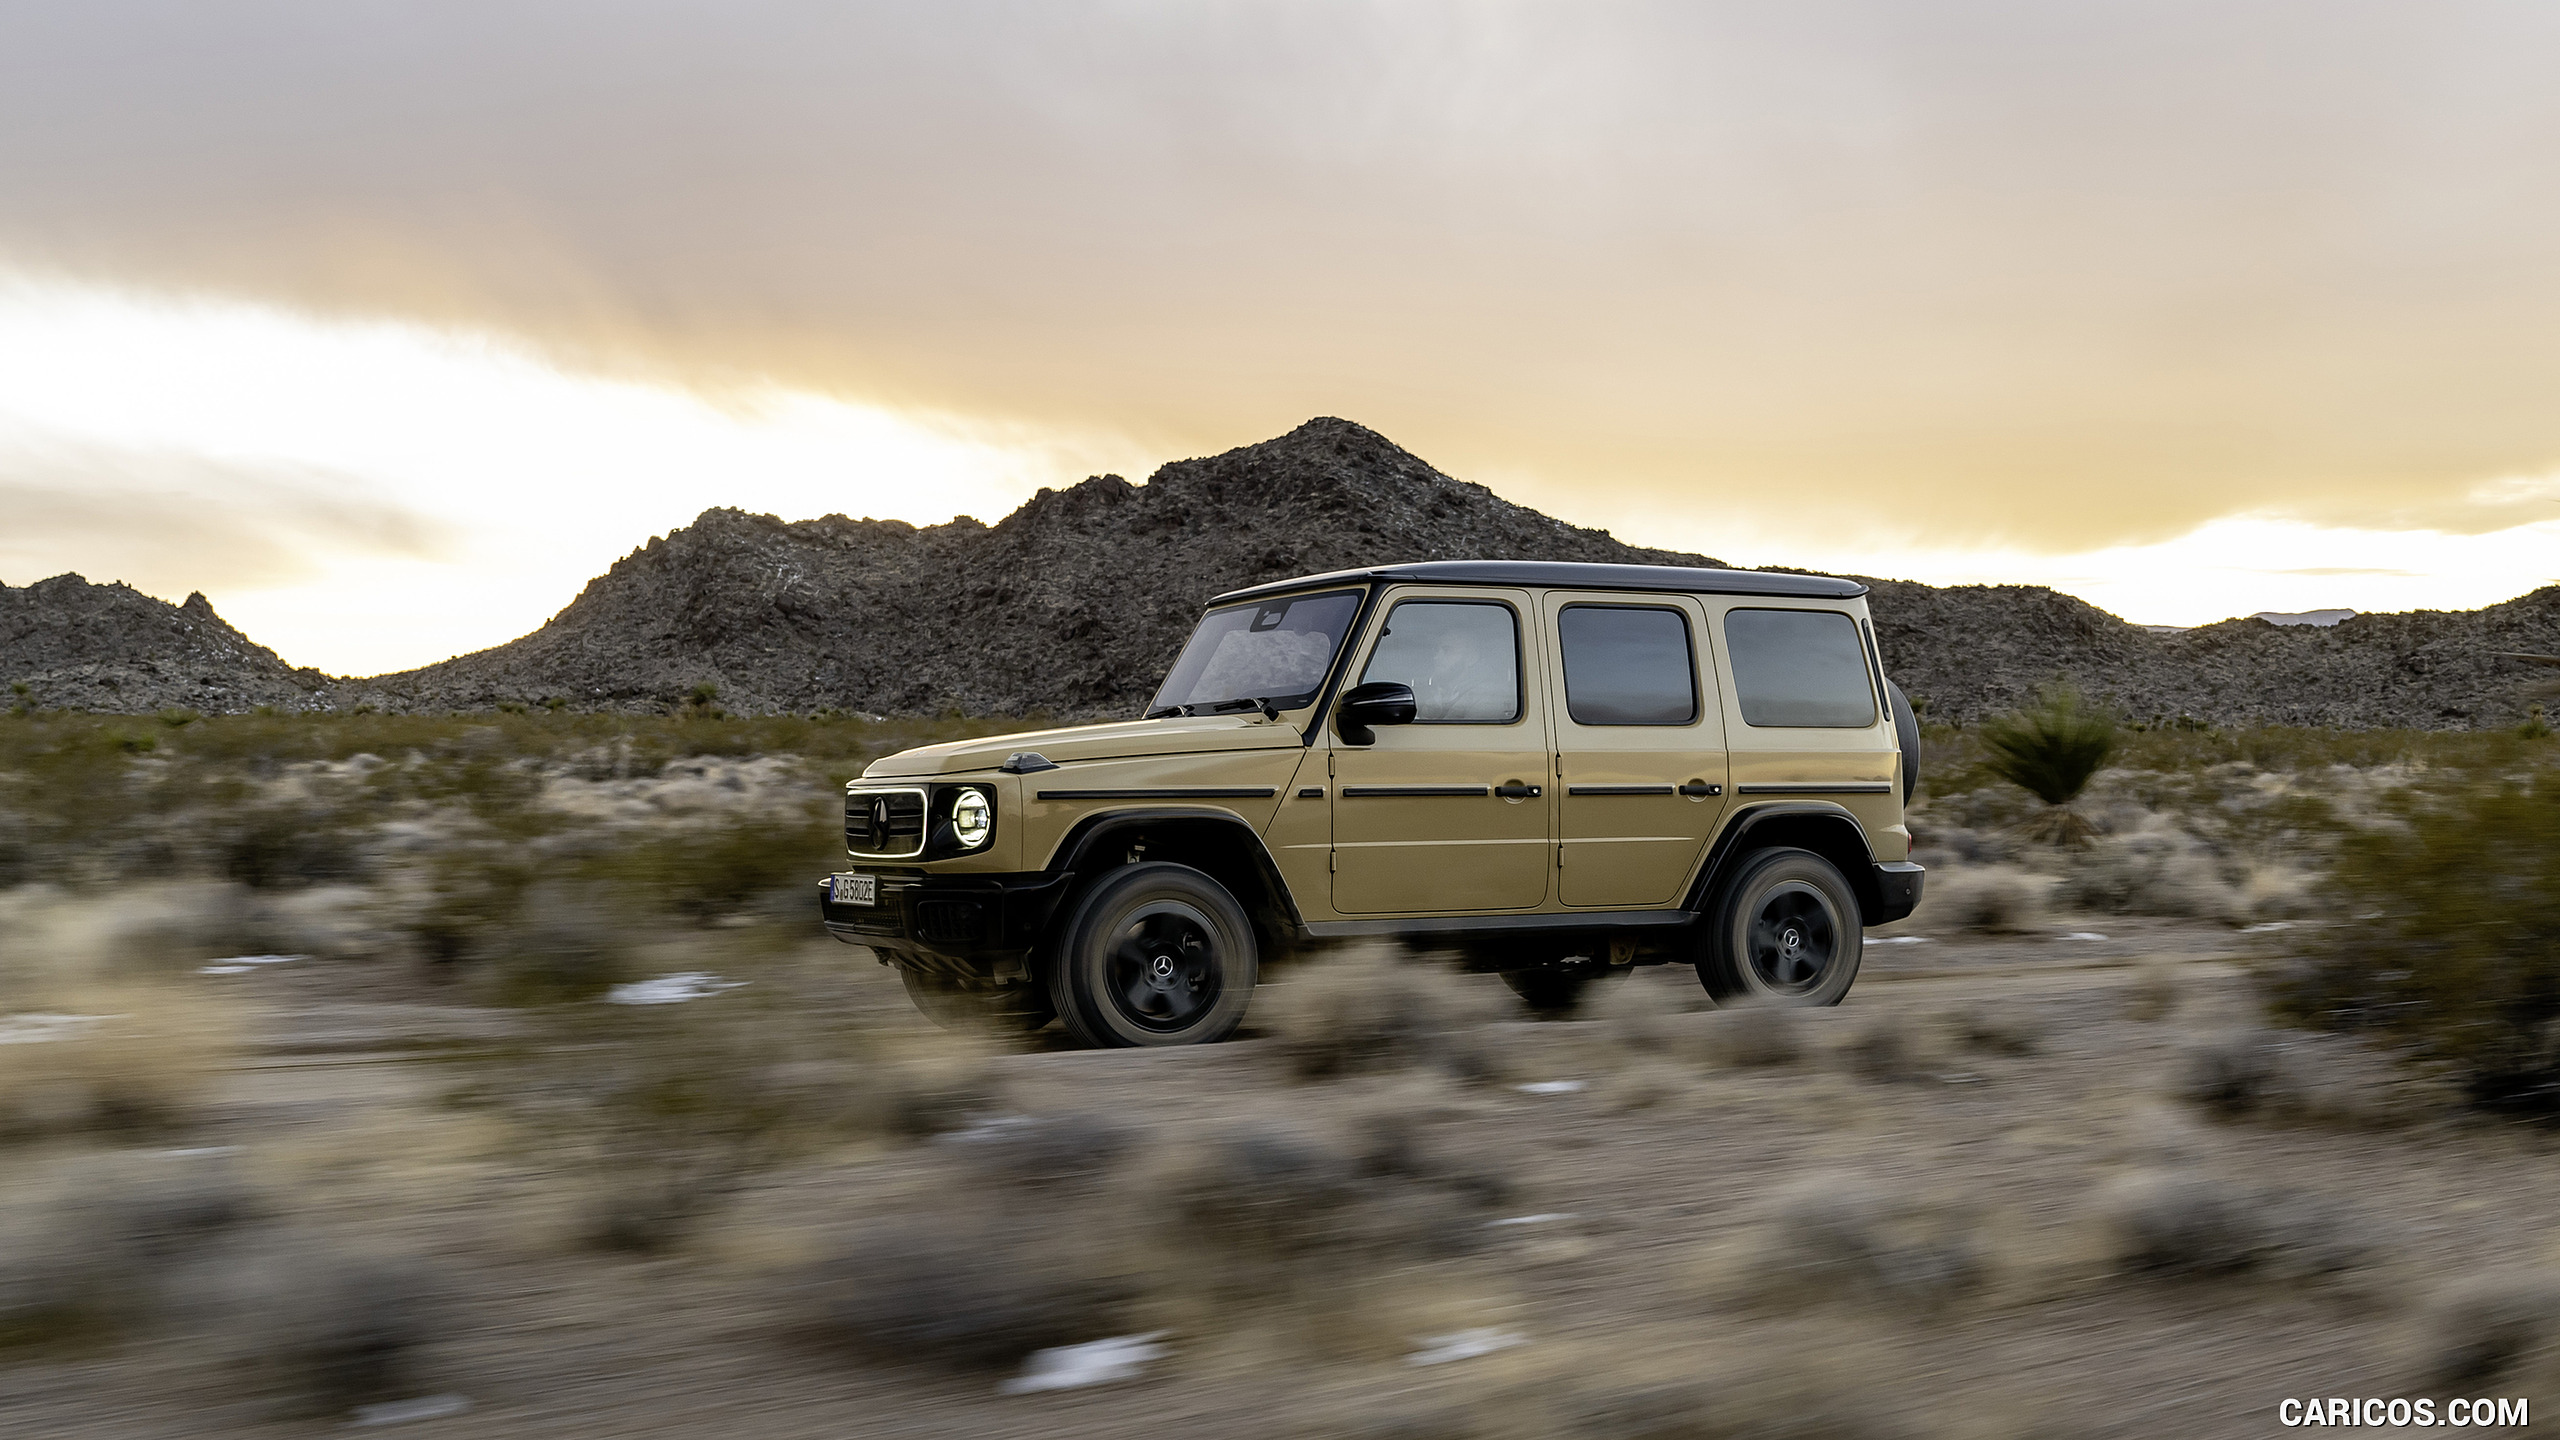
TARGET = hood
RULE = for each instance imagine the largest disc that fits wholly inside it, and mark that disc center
(1118, 740)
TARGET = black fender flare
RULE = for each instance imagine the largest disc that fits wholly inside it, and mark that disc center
(1255, 882)
(1825, 828)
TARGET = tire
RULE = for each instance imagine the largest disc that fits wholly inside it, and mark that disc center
(1154, 954)
(1906, 736)
(1784, 931)
(1010, 1009)
(1556, 990)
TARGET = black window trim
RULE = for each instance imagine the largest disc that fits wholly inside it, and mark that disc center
(1519, 652)
(1876, 708)
(1688, 632)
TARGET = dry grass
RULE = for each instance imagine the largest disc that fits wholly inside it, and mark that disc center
(130, 1059)
(2182, 1223)
(1985, 900)
(1372, 1009)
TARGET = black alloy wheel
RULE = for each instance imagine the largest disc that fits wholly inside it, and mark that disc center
(1163, 967)
(1154, 954)
(1785, 931)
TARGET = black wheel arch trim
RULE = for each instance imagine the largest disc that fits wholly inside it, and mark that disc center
(1093, 831)
(1825, 828)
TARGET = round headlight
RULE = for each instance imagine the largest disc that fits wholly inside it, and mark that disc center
(973, 818)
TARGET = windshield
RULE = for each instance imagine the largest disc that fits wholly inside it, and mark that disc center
(1274, 650)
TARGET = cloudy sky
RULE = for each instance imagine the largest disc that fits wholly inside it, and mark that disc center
(387, 324)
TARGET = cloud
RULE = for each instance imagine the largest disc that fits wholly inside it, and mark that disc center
(1964, 273)
(168, 523)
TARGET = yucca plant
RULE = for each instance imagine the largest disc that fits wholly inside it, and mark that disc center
(2050, 749)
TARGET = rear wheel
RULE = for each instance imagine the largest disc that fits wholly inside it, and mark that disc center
(1018, 1009)
(1154, 955)
(1555, 990)
(1785, 931)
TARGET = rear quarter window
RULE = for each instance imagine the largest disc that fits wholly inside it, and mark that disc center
(1801, 669)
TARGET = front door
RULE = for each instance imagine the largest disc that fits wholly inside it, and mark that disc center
(1449, 812)
(1640, 749)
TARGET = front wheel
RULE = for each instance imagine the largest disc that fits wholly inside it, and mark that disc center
(1785, 931)
(1154, 954)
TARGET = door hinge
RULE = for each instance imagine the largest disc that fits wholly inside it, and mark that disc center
(1328, 767)
(1332, 862)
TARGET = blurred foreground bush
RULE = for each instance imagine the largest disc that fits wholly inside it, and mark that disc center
(2452, 940)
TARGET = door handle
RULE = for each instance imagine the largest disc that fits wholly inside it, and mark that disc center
(1517, 790)
(1700, 789)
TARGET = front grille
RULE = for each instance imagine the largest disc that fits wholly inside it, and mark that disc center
(950, 922)
(884, 824)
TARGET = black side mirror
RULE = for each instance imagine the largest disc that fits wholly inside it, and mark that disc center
(1380, 702)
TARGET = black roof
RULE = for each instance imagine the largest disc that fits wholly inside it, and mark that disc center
(1676, 578)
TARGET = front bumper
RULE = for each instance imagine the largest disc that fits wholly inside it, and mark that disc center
(1897, 891)
(976, 926)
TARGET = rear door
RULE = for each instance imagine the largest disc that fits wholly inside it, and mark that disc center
(1450, 812)
(1640, 749)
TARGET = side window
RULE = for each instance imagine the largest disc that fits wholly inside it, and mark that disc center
(1627, 665)
(1462, 658)
(1800, 668)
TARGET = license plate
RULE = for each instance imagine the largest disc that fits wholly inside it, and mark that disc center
(855, 889)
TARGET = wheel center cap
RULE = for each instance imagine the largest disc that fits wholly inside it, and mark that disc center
(1162, 969)
(1792, 940)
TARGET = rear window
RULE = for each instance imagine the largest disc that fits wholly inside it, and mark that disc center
(1799, 668)
(1627, 665)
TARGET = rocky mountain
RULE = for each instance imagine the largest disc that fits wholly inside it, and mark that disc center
(78, 646)
(1970, 651)
(1075, 604)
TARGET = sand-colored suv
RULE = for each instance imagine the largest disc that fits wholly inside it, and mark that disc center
(1561, 771)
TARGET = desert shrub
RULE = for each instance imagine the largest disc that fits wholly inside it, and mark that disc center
(1267, 1218)
(136, 1060)
(1366, 1010)
(663, 1111)
(2482, 1329)
(1752, 1037)
(2179, 1223)
(706, 871)
(2050, 750)
(1050, 1152)
(561, 944)
(326, 1329)
(1835, 1236)
(275, 844)
(2175, 1223)
(1996, 1029)
(90, 1251)
(1884, 1047)
(2455, 945)
(2234, 1074)
(1986, 900)
(971, 1287)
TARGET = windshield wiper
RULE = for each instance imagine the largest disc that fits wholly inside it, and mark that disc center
(1269, 710)
(1166, 712)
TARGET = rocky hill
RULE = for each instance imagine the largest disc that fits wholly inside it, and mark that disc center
(78, 646)
(1074, 605)
(1972, 650)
